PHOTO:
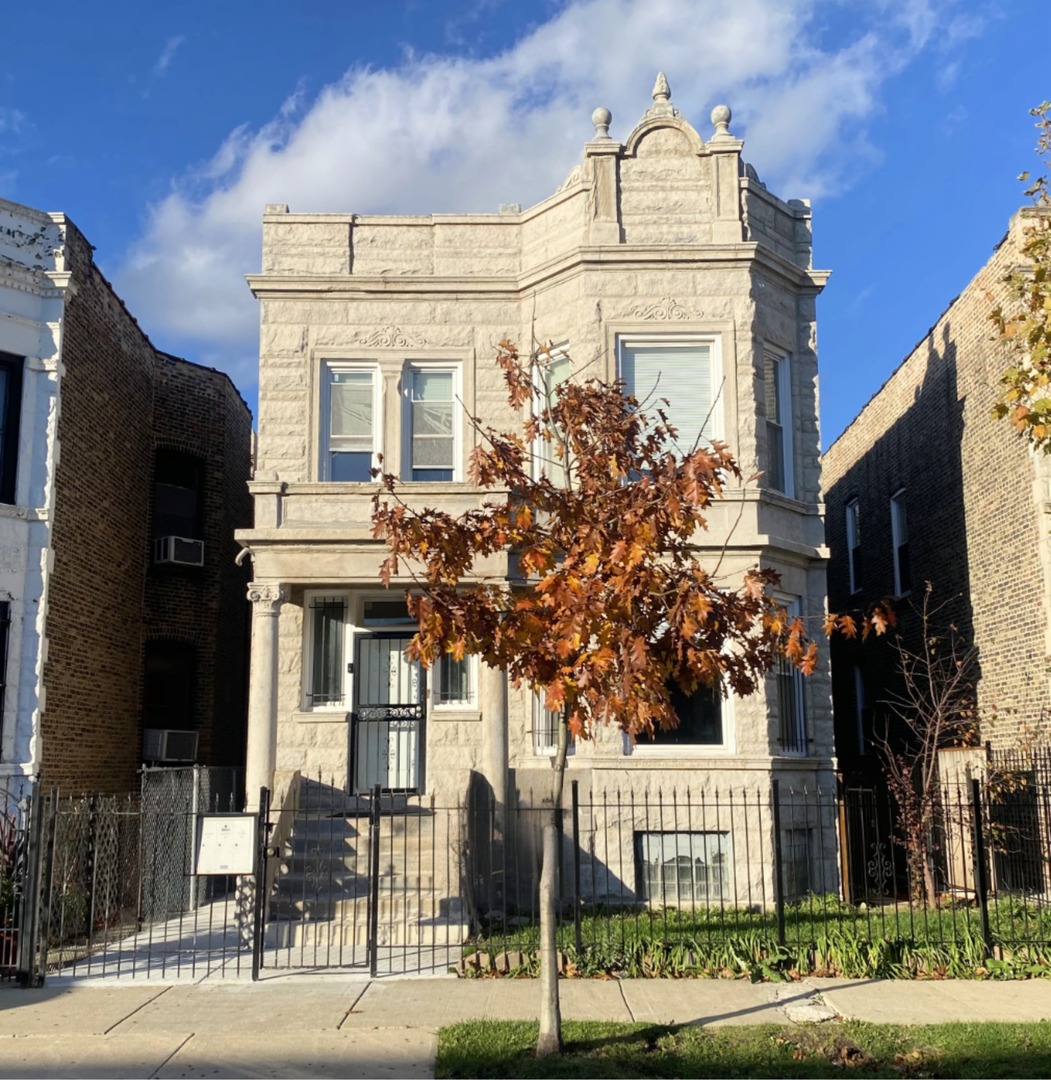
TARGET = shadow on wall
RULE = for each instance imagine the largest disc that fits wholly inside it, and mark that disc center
(918, 462)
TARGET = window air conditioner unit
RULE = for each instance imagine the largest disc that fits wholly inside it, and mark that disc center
(161, 744)
(178, 550)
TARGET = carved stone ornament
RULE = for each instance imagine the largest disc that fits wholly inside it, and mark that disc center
(666, 310)
(267, 599)
(390, 337)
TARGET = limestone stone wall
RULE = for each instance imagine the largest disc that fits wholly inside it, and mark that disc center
(976, 501)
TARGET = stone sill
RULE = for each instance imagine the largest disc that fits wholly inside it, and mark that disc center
(320, 716)
(444, 714)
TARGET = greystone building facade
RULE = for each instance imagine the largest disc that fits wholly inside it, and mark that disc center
(661, 260)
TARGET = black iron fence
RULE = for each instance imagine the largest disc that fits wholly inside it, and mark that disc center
(818, 880)
(13, 852)
(676, 879)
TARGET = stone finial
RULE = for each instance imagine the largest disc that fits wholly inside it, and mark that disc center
(661, 89)
(721, 119)
(601, 118)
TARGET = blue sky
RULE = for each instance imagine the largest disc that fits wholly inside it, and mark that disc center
(163, 128)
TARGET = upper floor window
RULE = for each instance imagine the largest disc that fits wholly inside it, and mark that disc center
(853, 520)
(431, 444)
(899, 531)
(169, 685)
(682, 370)
(177, 484)
(550, 455)
(10, 413)
(778, 398)
(352, 432)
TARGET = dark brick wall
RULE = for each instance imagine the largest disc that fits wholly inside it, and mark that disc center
(974, 526)
(93, 674)
(199, 412)
(119, 400)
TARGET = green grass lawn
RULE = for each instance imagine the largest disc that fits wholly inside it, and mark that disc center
(822, 935)
(503, 1048)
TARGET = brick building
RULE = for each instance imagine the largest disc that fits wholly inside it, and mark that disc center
(111, 450)
(925, 486)
(660, 259)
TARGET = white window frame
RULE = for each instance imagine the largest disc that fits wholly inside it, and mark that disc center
(899, 525)
(436, 367)
(678, 750)
(649, 402)
(783, 388)
(470, 703)
(852, 519)
(307, 696)
(325, 451)
(657, 853)
(794, 606)
(540, 725)
(542, 450)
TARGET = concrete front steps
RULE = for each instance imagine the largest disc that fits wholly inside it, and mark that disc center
(320, 897)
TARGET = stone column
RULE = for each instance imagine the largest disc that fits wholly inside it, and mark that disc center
(493, 699)
(266, 599)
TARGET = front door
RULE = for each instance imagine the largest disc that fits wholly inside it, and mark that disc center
(387, 724)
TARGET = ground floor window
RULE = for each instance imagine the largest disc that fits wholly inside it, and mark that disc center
(797, 860)
(700, 719)
(682, 867)
(326, 620)
(454, 681)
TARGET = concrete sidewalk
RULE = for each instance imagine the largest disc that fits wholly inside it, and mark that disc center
(333, 1025)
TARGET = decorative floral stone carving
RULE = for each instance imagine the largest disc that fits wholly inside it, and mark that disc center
(391, 337)
(667, 310)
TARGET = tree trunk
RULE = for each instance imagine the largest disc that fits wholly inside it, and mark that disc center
(549, 1041)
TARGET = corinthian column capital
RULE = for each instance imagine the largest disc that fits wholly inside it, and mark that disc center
(265, 597)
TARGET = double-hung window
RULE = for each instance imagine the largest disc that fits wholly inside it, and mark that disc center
(10, 411)
(777, 392)
(791, 700)
(681, 369)
(431, 444)
(899, 530)
(550, 455)
(353, 428)
(853, 523)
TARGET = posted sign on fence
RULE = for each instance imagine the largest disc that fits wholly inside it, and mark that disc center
(226, 843)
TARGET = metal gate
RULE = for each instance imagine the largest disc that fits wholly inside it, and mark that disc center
(389, 717)
(372, 882)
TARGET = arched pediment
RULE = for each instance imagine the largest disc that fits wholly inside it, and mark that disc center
(663, 135)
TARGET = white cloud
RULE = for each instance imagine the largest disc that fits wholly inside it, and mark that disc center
(12, 120)
(448, 133)
(171, 46)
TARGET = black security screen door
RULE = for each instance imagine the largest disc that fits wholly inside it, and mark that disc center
(387, 725)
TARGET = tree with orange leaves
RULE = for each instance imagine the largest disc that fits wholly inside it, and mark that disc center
(609, 606)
